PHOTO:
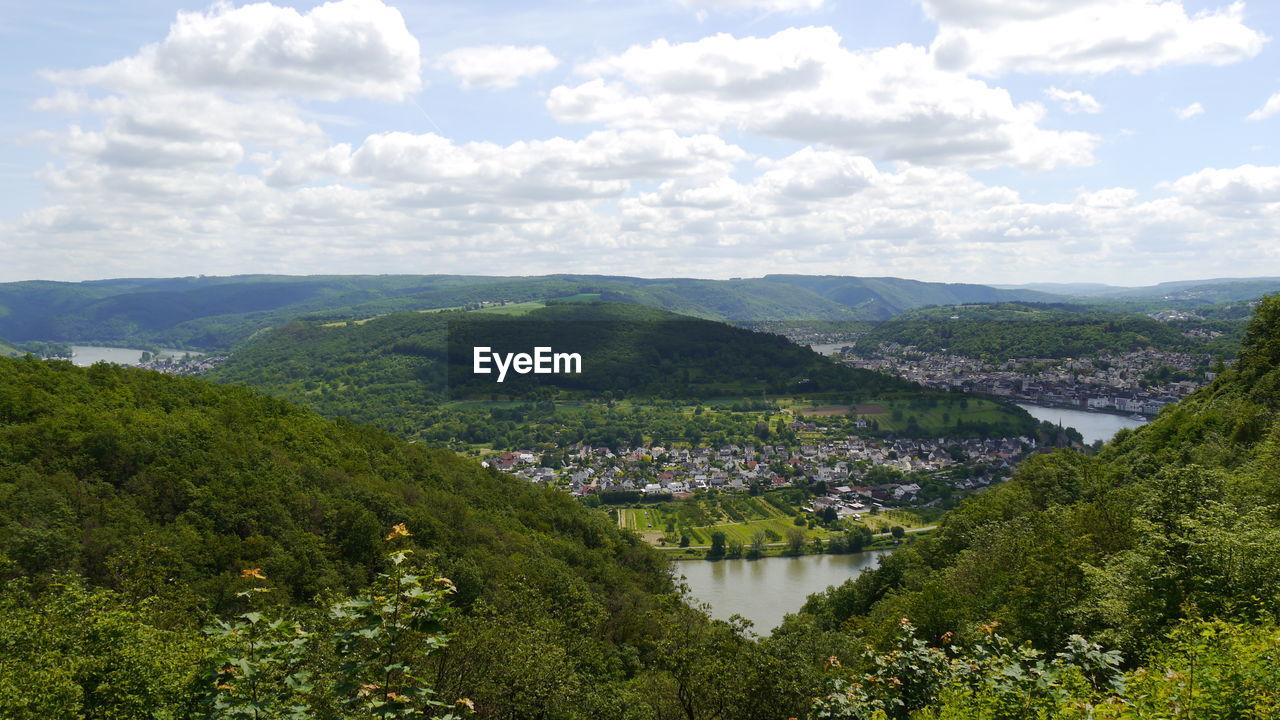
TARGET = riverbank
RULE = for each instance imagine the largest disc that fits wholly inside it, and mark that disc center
(879, 542)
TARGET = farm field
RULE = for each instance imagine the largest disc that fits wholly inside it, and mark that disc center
(523, 308)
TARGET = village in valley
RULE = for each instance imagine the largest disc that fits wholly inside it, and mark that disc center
(1139, 382)
(897, 472)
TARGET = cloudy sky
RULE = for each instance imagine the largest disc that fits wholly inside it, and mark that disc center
(1120, 141)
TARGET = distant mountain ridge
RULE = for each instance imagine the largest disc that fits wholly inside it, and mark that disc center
(1209, 290)
(218, 312)
(880, 298)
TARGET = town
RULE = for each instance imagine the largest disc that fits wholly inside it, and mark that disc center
(1139, 382)
(902, 472)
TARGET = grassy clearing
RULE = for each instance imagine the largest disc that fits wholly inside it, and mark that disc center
(886, 519)
(523, 308)
(939, 419)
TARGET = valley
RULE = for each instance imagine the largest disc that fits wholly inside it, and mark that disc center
(900, 483)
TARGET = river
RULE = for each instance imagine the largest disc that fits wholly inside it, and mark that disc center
(765, 590)
(86, 355)
(1092, 425)
(829, 348)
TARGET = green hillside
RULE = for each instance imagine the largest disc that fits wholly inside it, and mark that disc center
(1200, 291)
(132, 503)
(392, 371)
(1165, 548)
(1011, 330)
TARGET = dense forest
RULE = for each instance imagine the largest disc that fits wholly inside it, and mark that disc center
(175, 548)
(138, 511)
(1023, 330)
(394, 372)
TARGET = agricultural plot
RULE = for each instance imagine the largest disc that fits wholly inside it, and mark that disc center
(739, 517)
(517, 309)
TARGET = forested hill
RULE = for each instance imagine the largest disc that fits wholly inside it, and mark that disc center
(135, 506)
(391, 371)
(1020, 330)
(626, 349)
(1176, 524)
(218, 312)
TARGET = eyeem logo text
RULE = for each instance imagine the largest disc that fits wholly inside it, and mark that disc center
(542, 362)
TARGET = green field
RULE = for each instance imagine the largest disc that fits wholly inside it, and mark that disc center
(523, 308)
(936, 416)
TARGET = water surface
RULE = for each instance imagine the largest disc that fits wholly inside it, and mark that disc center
(1092, 425)
(765, 590)
(85, 355)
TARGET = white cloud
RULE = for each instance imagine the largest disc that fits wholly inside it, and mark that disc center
(990, 38)
(765, 5)
(1254, 187)
(199, 154)
(495, 66)
(1075, 101)
(1190, 111)
(434, 170)
(800, 84)
(1269, 108)
(347, 48)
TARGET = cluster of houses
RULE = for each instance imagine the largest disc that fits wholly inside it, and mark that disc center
(185, 365)
(844, 462)
(1115, 382)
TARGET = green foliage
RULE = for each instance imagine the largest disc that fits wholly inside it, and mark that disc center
(368, 659)
(995, 678)
(75, 652)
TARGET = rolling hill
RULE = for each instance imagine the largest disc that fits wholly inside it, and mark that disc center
(1215, 290)
(883, 298)
(394, 372)
(220, 312)
(401, 372)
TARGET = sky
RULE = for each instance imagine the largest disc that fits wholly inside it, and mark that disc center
(994, 141)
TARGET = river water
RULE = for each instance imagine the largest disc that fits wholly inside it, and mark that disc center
(765, 590)
(1092, 425)
(86, 355)
(828, 348)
